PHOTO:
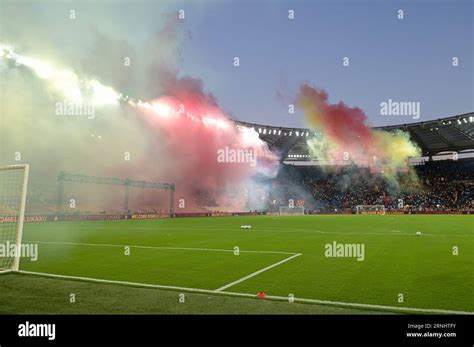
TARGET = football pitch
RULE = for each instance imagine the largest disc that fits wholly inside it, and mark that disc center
(304, 264)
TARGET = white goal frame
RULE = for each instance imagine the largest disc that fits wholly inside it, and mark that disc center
(370, 209)
(21, 214)
(287, 210)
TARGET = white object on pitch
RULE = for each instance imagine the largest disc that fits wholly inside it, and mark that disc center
(418, 233)
(245, 227)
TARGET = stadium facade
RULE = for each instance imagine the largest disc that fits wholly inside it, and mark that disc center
(448, 135)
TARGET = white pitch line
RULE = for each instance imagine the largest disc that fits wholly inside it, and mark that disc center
(410, 234)
(158, 247)
(247, 295)
(280, 230)
(293, 230)
(253, 274)
(358, 305)
(390, 233)
(98, 280)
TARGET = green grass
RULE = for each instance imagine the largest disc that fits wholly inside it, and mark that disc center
(24, 294)
(423, 269)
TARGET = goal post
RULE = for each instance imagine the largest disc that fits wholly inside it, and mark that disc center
(13, 190)
(370, 209)
(287, 210)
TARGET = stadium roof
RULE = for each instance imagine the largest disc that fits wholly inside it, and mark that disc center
(451, 134)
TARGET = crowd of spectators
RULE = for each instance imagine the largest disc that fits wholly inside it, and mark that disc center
(435, 186)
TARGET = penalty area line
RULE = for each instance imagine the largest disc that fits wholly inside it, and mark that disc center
(247, 295)
(253, 274)
(156, 247)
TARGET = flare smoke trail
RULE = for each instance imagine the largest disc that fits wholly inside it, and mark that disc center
(173, 138)
(346, 135)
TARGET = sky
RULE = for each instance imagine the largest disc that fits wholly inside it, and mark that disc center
(407, 59)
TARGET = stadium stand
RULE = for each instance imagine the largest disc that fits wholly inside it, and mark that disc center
(343, 188)
(451, 134)
(445, 171)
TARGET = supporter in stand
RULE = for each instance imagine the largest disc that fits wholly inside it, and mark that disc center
(441, 186)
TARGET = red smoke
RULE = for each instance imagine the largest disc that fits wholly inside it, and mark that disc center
(346, 136)
(344, 126)
(190, 130)
(186, 128)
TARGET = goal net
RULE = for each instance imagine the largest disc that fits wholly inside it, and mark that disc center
(13, 186)
(370, 209)
(286, 210)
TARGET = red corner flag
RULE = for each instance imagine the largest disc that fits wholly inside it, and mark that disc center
(261, 295)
